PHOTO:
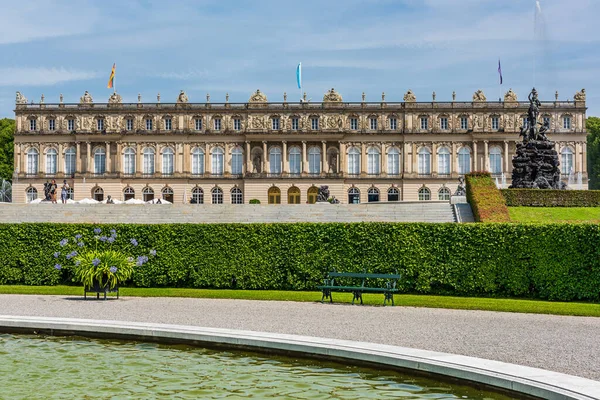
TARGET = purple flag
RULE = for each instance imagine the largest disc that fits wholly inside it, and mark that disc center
(500, 71)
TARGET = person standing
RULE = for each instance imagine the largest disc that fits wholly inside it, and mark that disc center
(53, 189)
(64, 190)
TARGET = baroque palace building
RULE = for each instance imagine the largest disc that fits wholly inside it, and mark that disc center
(280, 153)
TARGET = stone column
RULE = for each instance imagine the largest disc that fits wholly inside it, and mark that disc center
(584, 158)
(383, 168)
(108, 159)
(304, 161)
(474, 162)
(226, 159)
(324, 168)
(284, 159)
(119, 158)
(363, 159)
(138, 159)
(454, 160)
(178, 157)
(158, 160)
(486, 161)
(59, 160)
(415, 159)
(577, 160)
(207, 166)
(342, 159)
(265, 155)
(405, 160)
(248, 158)
(185, 159)
(506, 158)
(434, 158)
(88, 165)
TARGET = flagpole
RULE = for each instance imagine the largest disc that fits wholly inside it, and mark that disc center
(114, 79)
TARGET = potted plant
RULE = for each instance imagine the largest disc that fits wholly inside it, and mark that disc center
(102, 264)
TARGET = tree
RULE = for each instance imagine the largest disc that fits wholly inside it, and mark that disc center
(7, 129)
(593, 151)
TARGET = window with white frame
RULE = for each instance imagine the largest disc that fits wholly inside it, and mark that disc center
(197, 161)
(148, 124)
(495, 123)
(70, 160)
(217, 124)
(217, 161)
(275, 123)
(31, 194)
(32, 161)
(567, 122)
(237, 161)
(32, 124)
(147, 193)
(464, 160)
(99, 161)
(129, 124)
(353, 161)
(354, 123)
(129, 161)
(424, 161)
(198, 124)
(295, 160)
(275, 160)
(353, 195)
(464, 123)
(168, 124)
(51, 156)
(444, 123)
(373, 123)
(393, 194)
(217, 195)
(495, 160)
(443, 161)
(100, 124)
(168, 159)
(197, 196)
(237, 196)
(424, 123)
(444, 194)
(373, 160)
(148, 161)
(566, 161)
(71, 124)
(314, 123)
(393, 167)
(393, 123)
(314, 160)
(294, 123)
(373, 195)
(51, 124)
(128, 193)
(167, 194)
(424, 194)
(525, 122)
(547, 120)
(237, 124)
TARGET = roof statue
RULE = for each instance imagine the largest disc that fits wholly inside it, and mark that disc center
(479, 96)
(182, 98)
(410, 96)
(580, 96)
(332, 97)
(510, 96)
(86, 98)
(21, 99)
(258, 97)
(115, 98)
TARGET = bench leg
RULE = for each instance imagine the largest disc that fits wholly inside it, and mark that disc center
(356, 295)
(388, 296)
(326, 295)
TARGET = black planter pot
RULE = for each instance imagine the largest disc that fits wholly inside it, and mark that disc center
(97, 288)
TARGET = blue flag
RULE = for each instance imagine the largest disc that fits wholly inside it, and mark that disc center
(299, 75)
(500, 71)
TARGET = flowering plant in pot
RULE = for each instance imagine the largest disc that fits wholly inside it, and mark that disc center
(101, 263)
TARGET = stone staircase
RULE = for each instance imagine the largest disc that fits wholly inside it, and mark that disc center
(228, 213)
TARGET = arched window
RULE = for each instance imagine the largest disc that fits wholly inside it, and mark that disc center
(167, 194)
(293, 195)
(275, 160)
(464, 160)
(237, 161)
(495, 160)
(129, 161)
(237, 196)
(147, 193)
(424, 194)
(99, 161)
(128, 193)
(71, 193)
(566, 161)
(393, 194)
(70, 161)
(148, 161)
(443, 161)
(197, 161)
(32, 161)
(197, 196)
(217, 195)
(373, 195)
(295, 160)
(31, 194)
(353, 195)
(168, 159)
(312, 194)
(373, 158)
(393, 161)
(354, 161)
(51, 161)
(314, 160)
(217, 164)
(98, 194)
(274, 195)
(424, 161)
(444, 193)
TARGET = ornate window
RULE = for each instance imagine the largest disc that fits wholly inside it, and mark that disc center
(168, 159)
(424, 161)
(237, 160)
(197, 196)
(51, 124)
(100, 124)
(167, 194)
(31, 194)
(525, 121)
(495, 123)
(129, 124)
(464, 160)
(566, 161)
(353, 195)
(33, 124)
(217, 161)
(443, 161)
(293, 195)
(464, 123)
(70, 124)
(198, 124)
(197, 161)
(314, 123)
(275, 123)
(393, 123)
(424, 194)
(393, 167)
(217, 124)
(373, 161)
(354, 123)
(295, 160)
(70, 161)
(71, 193)
(32, 161)
(311, 195)
(237, 124)
(373, 195)
(314, 160)
(148, 124)
(168, 124)
(547, 120)
(567, 122)
(99, 161)
(444, 123)
(275, 160)
(294, 123)
(495, 160)
(51, 157)
(148, 161)
(237, 196)
(147, 194)
(98, 194)
(393, 194)
(274, 195)
(354, 161)
(444, 193)
(424, 123)
(129, 161)
(373, 123)
(128, 193)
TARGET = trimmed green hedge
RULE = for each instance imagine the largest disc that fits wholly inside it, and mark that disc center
(551, 198)
(486, 201)
(554, 261)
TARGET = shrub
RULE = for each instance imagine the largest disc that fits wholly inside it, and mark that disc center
(551, 198)
(254, 201)
(486, 200)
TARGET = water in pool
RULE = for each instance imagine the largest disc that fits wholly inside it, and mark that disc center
(41, 367)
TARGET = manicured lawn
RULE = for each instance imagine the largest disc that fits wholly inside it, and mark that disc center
(408, 300)
(555, 214)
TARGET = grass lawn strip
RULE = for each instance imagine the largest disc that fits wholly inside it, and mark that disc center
(555, 214)
(407, 300)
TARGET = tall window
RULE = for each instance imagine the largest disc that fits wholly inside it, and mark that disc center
(217, 162)
(100, 124)
(353, 196)
(311, 194)
(51, 124)
(275, 123)
(566, 161)
(197, 196)
(71, 124)
(168, 159)
(31, 194)
(354, 161)
(444, 161)
(373, 161)
(393, 161)
(314, 123)
(275, 160)
(373, 122)
(295, 160)
(314, 160)
(464, 123)
(393, 194)
(495, 160)
(32, 124)
(129, 161)
(354, 123)
(167, 194)
(147, 193)
(495, 123)
(373, 195)
(148, 124)
(294, 123)
(525, 122)
(237, 161)
(129, 124)
(99, 161)
(546, 120)
(237, 124)
(424, 161)
(424, 123)
(444, 194)
(464, 161)
(424, 194)
(293, 195)
(51, 161)
(70, 160)
(237, 196)
(197, 161)
(128, 193)
(168, 124)
(32, 161)
(444, 123)
(274, 195)
(198, 124)
(148, 161)
(567, 122)
(393, 123)
(217, 123)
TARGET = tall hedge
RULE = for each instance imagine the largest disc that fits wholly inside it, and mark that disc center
(551, 198)
(486, 200)
(554, 261)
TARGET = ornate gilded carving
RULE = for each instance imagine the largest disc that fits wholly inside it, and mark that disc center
(86, 98)
(20, 99)
(115, 98)
(410, 97)
(510, 96)
(182, 98)
(580, 96)
(332, 97)
(258, 97)
(479, 96)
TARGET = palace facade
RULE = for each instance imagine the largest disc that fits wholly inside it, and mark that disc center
(280, 152)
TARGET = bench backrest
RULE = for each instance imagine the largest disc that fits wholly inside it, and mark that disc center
(363, 275)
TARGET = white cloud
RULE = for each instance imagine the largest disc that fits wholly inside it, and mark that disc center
(42, 76)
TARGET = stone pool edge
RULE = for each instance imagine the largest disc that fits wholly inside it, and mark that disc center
(527, 380)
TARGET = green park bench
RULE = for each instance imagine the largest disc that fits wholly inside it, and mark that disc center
(349, 282)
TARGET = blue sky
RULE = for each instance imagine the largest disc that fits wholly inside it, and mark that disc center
(217, 47)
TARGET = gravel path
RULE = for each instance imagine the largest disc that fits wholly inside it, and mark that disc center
(559, 343)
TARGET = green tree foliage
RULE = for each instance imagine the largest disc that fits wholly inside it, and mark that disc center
(593, 151)
(7, 129)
